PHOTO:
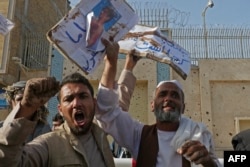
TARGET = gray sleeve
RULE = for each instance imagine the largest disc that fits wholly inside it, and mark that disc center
(41, 128)
(13, 152)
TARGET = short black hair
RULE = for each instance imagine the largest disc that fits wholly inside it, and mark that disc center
(76, 78)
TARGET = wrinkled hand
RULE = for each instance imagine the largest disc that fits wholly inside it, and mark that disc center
(196, 152)
(112, 50)
(109, 72)
(131, 61)
(38, 91)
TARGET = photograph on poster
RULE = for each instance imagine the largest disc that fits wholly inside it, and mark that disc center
(102, 17)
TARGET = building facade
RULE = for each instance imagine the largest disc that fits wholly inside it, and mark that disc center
(25, 51)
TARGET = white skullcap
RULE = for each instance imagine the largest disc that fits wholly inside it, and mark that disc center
(19, 84)
(177, 83)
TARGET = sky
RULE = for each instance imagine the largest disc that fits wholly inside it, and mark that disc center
(226, 13)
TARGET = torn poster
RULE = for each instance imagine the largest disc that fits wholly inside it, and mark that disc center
(151, 43)
(77, 35)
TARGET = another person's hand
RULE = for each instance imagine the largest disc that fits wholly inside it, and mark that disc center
(196, 152)
(109, 72)
(38, 91)
(112, 50)
(131, 61)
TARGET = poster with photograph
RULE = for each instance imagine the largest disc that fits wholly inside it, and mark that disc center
(149, 42)
(78, 34)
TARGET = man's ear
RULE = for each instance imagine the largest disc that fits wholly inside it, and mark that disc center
(152, 104)
(59, 109)
(183, 108)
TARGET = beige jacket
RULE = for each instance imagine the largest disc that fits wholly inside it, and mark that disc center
(54, 149)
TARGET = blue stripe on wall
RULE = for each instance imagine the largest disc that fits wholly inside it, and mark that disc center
(163, 72)
(56, 71)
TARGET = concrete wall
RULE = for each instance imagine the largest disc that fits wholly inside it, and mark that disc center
(225, 94)
(218, 94)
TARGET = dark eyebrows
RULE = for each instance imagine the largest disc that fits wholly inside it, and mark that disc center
(175, 92)
(80, 94)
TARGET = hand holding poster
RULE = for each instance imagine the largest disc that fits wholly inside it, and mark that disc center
(151, 43)
(78, 34)
(5, 25)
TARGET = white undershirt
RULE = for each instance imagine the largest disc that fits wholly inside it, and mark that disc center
(167, 156)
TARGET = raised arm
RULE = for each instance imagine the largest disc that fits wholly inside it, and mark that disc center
(113, 120)
(37, 92)
(22, 121)
(127, 81)
(109, 72)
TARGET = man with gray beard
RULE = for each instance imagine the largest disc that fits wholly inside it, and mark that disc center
(171, 116)
(173, 141)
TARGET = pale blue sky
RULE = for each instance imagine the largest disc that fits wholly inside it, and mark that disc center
(224, 13)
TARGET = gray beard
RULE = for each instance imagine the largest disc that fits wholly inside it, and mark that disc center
(171, 116)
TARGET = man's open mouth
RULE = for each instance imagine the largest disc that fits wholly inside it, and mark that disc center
(79, 118)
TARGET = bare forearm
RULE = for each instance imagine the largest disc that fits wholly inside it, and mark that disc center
(108, 76)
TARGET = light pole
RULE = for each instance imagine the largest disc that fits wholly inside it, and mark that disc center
(210, 4)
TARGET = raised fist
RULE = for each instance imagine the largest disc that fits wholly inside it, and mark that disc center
(38, 91)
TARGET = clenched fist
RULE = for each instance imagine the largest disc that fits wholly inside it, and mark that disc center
(196, 152)
(36, 93)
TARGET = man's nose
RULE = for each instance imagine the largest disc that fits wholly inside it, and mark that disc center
(77, 101)
(168, 97)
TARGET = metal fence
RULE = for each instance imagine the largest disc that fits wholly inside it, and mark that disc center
(216, 43)
(222, 43)
(158, 13)
(35, 19)
(36, 51)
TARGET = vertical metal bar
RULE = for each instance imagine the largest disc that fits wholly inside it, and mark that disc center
(241, 43)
